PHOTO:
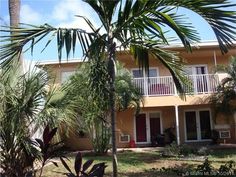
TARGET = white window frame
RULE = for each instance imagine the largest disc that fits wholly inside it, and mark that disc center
(199, 139)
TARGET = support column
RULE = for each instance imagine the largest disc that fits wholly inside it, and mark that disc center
(177, 124)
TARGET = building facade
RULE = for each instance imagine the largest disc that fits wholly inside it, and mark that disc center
(191, 119)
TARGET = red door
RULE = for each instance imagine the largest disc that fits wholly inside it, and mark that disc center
(141, 133)
(155, 128)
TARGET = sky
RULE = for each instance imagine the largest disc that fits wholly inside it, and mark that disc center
(61, 13)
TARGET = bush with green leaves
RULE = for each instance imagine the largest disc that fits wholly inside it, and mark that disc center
(205, 169)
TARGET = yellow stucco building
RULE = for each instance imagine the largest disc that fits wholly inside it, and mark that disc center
(192, 119)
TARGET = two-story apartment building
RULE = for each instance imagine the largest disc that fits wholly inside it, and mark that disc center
(192, 119)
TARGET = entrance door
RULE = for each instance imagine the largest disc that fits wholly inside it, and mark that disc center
(197, 125)
(141, 131)
(155, 125)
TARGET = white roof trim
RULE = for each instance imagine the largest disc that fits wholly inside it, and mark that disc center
(172, 45)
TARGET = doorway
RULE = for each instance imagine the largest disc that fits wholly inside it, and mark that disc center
(197, 125)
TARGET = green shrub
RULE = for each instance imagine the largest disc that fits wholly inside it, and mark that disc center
(204, 169)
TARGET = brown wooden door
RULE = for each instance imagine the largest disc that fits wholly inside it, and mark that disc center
(141, 133)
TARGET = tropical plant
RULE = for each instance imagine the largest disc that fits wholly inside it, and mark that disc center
(136, 25)
(20, 97)
(24, 108)
(81, 170)
(224, 100)
(91, 104)
(48, 149)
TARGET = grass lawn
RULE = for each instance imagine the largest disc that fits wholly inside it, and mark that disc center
(145, 164)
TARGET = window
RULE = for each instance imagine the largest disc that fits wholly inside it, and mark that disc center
(139, 73)
(65, 75)
(152, 72)
(195, 69)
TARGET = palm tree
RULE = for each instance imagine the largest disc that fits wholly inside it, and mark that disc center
(134, 25)
(224, 101)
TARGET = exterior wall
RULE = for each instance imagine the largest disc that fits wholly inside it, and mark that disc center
(56, 70)
(223, 123)
(203, 56)
(126, 122)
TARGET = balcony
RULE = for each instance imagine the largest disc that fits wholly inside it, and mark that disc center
(164, 86)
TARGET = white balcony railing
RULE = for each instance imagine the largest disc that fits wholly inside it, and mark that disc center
(161, 86)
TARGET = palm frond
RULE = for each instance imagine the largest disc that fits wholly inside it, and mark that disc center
(13, 45)
(213, 12)
(141, 51)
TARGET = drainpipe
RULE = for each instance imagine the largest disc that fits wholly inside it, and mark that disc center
(215, 61)
(177, 123)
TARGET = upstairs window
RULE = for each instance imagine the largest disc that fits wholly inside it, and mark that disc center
(153, 72)
(195, 69)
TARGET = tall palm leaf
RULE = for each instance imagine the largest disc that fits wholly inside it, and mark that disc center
(137, 25)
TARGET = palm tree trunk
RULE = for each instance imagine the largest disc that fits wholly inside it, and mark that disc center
(14, 12)
(111, 71)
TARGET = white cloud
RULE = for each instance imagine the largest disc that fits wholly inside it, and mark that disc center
(65, 10)
(29, 15)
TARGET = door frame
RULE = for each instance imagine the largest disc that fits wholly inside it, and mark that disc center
(147, 114)
(198, 124)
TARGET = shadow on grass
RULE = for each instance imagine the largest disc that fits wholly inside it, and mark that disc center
(222, 153)
(129, 158)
